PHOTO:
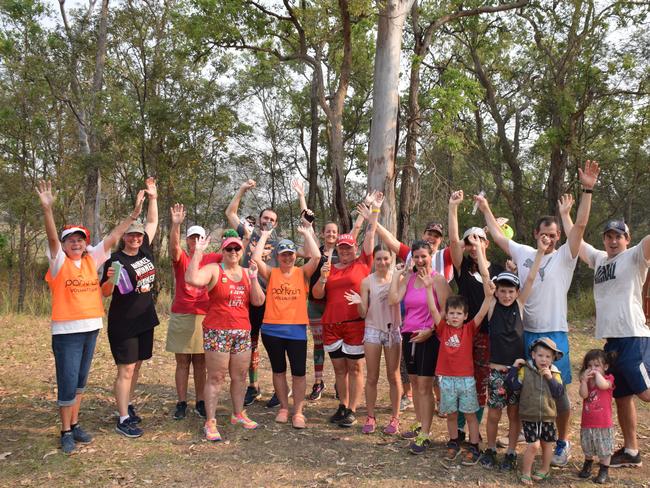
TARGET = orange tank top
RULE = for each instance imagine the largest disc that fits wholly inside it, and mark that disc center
(75, 291)
(286, 298)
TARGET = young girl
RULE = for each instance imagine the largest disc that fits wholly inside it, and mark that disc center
(596, 432)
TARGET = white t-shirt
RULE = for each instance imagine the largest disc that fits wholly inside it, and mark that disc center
(618, 285)
(99, 255)
(546, 307)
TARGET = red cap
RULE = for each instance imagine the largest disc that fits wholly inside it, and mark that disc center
(346, 239)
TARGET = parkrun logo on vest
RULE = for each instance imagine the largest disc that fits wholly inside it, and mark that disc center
(285, 292)
(80, 285)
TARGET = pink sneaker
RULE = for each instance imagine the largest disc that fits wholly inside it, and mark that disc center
(369, 426)
(243, 420)
(393, 426)
(211, 431)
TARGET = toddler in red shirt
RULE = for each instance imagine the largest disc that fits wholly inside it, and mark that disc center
(596, 428)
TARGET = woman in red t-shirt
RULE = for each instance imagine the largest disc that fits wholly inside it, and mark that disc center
(343, 328)
(226, 327)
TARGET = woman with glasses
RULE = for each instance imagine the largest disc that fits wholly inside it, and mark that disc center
(226, 327)
(284, 328)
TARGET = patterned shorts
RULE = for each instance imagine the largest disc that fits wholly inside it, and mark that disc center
(597, 442)
(457, 394)
(375, 336)
(539, 431)
(498, 395)
(233, 341)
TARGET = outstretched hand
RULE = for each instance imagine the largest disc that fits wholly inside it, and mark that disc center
(177, 213)
(139, 200)
(151, 190)
(44, 190)
(352, 297)
(369, 198)
(378, 200)
(565, 203)
(363, 210)
(482, 203)
(426, 278)
(202, 243)
(456, 197)
(298, 186)
(589, 175)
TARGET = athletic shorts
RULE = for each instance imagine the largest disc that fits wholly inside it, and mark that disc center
(185, 333)
(375, 336)
(232, 341)
(561, 339)
(499, 396)
(421, 357)
(347, 336)
(279, 349)
(132, 349)
(631, 368)
(597, 442)
(539, 431)
(457, 394)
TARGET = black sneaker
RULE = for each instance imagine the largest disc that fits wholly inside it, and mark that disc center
(134, 418)
(317, 391)
(338, 416)
(128, 429)
(252, 394)
(274, 401)
(199, 409)
(67, 442)
(509, 463)
(80, 435)
(585, 472)
(489, 459)
(181, 411)
(603, 475)
(621, 459)
(348, 419)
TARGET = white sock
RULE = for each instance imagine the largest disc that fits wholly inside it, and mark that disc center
(123, 418)
(632, 452)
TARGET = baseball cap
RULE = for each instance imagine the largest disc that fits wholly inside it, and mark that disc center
(346, 240)
(435, 227)
(618, 226)
(476, 231)
(549, 343)
(196, 230)
(68, 230)
(285, 245)
(135, 227)
(507, 277)
(231, 240)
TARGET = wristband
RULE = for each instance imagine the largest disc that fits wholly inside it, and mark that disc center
(587, 190)
(376, 210)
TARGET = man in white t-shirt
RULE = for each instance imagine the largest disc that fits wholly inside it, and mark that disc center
(545, 312)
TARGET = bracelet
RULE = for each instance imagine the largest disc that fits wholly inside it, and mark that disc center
(376, 210)
(587, 190)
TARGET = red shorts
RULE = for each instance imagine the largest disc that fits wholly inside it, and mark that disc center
(346, 335)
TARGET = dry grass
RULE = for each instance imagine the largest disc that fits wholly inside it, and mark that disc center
(173, 453)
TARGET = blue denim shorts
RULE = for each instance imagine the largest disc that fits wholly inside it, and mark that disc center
(458, 394)
(73, 354)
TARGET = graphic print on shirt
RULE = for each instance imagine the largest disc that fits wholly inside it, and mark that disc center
(236, 295)
(145, 275)
(453, 341)
(542, 269)
(285, 292)
(591, 402)
(605, 273)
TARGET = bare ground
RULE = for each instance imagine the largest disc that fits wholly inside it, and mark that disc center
(173, 453)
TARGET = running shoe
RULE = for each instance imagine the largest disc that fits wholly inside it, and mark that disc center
(413, 431)
(274, 401)
(369, 426)
(80, 435)
(338, 415)
(211, 431)
(67, 442)
(561, 453)
(128, 428)
(622, 458)
(199, 409)
(134, 418)
(243, 420)
(348, 419)
(181, 411)
(393, 426)
(405, 403)
(252, 393)
(317, 391)
(489, 459)
(420, 444)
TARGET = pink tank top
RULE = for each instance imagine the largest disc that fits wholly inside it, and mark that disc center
(416, 310)
(380, 314)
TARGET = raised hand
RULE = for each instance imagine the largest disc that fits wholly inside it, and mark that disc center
(177, 213)
(298, 187)
(44, 190)
(456, 197)
(326, 268)
(303, 220)
(139, 200)
(370, 197)
(565, 203)
(426, 278)
(247, 185)
(352, 297)
(378, 200)
(482, 202)
(363, 210)
(151, 189)
(519, 363)
(511, 266)
(589, 175)
(252, 270)
(202, 243)
(491, 288)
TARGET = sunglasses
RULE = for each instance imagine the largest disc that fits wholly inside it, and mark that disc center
(232, 249)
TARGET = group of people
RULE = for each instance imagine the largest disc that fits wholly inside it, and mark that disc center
(500, 342)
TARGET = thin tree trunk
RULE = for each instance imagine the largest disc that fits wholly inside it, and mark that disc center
(313, 143)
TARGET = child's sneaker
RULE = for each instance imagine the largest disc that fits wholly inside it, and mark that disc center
(509, 462)
(211, 431)
(134, 418)
(489, 459)
(420, 444)
(243, 420)
(471, 456)
(453, 450)
(585, 472)
(369, 426)
(413, 431)
(561, 454)
(393, 426)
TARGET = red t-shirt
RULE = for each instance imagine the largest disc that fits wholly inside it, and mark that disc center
(229, 303)
(188, 298)
(338, 283)
(597, 407)
(455, 355)
(440, 261)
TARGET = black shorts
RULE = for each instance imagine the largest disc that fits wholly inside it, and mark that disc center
(256, 317)
(132, 349)
(279, 349)
(339, 354)
(539, 431)
(421, 357)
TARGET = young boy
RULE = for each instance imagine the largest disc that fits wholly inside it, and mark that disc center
(455, 366)
(540, 384)
(506, 335)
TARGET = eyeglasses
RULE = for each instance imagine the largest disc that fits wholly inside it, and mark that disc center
(232, 249)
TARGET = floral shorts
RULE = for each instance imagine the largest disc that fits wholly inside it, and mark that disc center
(233, 341)
(597, 442)
(498, 395)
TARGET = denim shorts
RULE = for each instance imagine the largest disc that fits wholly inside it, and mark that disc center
(73, 354)
(375, 336)
(458, 394)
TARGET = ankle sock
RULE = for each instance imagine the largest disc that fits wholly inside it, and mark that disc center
(632, 452)
(123, 418)
(65, 432)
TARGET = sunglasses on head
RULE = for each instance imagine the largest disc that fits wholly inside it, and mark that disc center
(232, 249)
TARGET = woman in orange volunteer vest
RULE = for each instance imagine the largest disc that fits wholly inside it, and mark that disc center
(284, 328)
(77, 308)
(226, 327)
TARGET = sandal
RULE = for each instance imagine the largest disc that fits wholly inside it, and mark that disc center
(283, 416)
(526, 480)
(539, 476)
(298, 421)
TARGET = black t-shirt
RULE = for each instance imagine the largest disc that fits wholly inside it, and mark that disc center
(470, 285)
(271, 243)
(323, 258)
(131, 314)
(506, 334)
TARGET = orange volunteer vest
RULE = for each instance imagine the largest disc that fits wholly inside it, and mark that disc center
(286, 298)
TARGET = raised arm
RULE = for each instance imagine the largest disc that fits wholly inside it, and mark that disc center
(588, 178)
(111, 239)
(310, 247)
(233, 206)
(201, 276)
(398, 283)
(362, 216)
(488, 286)
(455, 244)
(428, 281)
(375, 208)
(299, 187)
(542, 244)
(151, 225)
(45, 195)
(493, 225)
(262, 268)
(564, 205)
(257, 294)
(177, 217)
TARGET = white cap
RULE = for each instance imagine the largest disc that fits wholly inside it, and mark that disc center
(476, 231)
(71, 230)
(196, 229)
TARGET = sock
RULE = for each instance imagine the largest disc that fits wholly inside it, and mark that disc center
(632, 452)
(73, 426)
(65, 432)
(123, 418)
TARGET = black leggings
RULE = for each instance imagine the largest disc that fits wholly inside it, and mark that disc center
(278, 349)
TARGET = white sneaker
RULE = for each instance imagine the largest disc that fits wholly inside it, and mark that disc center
(561, 455)
(503, 441)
